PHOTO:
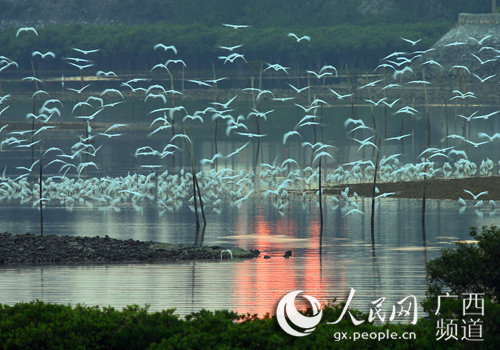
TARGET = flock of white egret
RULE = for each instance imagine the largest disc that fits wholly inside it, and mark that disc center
(168, 188)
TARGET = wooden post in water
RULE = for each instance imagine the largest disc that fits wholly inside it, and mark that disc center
(445, 110)
(87, 124)
(132, 139)
(216, 99)
(320, 210)
(466, 106)
(371, 110)
(456, 104)
(193, 172)
(424, 194)
(201, 202)
(426, 112)
(173, 120)
(352, 108)
(182, 84)
(325, 173)
(35, 87)
(214, 77)
(33, 131)
(131, 100)
(40, 195)
(197, 219)
(261, 71)
(309, 88)
(439, 105)
(34, 75)
(426, 145)
(298, 75)
(385, 113)
(252, 85)
(371, 104)
(258, 108)
(255, 106)
(324, 77)
(196, 186)
(350, 90)
(413, 123)
(258, 144)
(373, 196)
(172, 87)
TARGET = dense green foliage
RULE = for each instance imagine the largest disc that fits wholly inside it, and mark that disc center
(264, 13)
(38, 325)
(471, 268)
(354, 32)
(260, 13)
(430, 10)
(124, 48)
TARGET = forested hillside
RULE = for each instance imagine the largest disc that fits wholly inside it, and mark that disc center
(260, 13)
(125, 47)
(354, 32)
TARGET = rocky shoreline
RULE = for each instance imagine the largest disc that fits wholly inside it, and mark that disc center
(51, 249)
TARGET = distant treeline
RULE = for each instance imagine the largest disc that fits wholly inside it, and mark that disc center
(317, 13)
(259, 13)
(125, 48)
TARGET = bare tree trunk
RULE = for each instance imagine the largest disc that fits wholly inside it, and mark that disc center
(494, 6)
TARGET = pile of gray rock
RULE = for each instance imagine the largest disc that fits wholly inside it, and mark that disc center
(35, 249)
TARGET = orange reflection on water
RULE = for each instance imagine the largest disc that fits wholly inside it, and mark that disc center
(259, 285)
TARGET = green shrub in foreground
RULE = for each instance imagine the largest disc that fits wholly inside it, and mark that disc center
(471, 268)
(38, 325)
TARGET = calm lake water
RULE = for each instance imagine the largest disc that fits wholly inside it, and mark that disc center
(394, 269)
